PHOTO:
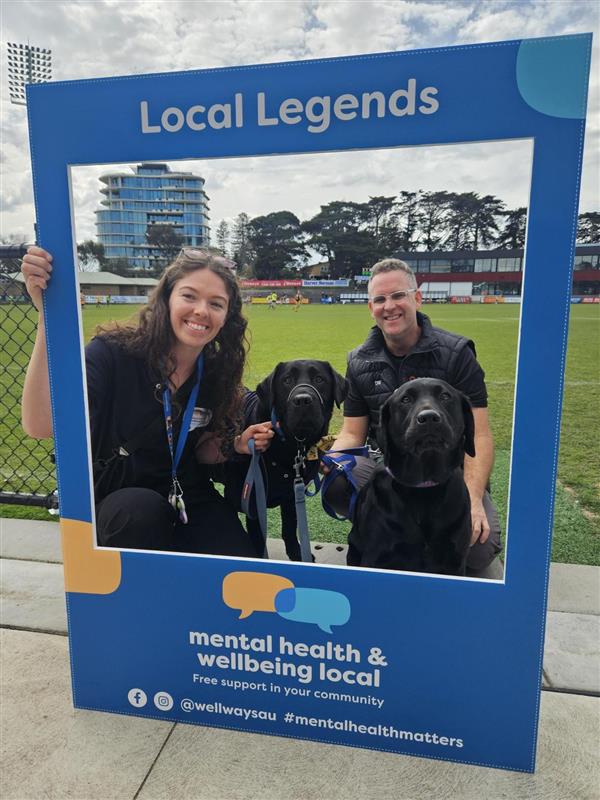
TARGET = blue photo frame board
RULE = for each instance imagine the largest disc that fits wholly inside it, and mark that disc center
(416, 664)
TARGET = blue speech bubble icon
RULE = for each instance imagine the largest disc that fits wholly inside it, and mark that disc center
(318, 606)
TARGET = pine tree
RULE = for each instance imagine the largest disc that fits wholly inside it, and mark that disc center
(222, 237)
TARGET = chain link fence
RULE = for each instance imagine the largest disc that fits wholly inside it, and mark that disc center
(27, 474)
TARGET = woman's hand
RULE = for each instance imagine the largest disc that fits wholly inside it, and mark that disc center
(262, 433)
(36, 268)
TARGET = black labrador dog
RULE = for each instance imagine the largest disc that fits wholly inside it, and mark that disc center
(298, 396)
(414, 514)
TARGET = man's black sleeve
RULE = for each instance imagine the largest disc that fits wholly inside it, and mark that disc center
(468, 377)
(354, 404)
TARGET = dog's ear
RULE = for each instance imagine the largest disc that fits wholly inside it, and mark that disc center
(266, 389)
(340, 386)
(469, 434)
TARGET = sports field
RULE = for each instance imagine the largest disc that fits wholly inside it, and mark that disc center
(328, 332)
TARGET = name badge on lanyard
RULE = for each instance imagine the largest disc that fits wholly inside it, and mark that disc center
(200, 418)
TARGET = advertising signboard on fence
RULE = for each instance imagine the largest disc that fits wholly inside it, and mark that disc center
(429, 665)
(329, 283)
(254, 284)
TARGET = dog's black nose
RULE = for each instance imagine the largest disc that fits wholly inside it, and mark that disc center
(302, 399)
(428, 415)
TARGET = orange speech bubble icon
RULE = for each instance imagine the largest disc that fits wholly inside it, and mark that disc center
(253, 591)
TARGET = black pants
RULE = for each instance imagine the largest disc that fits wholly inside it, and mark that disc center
(142, 519)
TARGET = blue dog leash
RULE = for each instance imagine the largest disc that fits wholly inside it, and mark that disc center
(341, 461)
(300, 493)
(254, 480)
(301, 490)
(277, 425)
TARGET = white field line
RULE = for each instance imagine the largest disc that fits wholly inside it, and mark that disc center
(567, 383)
(452, 320)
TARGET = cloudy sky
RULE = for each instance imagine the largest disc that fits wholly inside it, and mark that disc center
(112, 37)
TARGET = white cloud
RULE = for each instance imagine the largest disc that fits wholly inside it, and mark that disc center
(302, 183)
(111, 37)
(497, 21)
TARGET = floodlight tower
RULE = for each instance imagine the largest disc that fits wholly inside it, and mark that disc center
(26, 64)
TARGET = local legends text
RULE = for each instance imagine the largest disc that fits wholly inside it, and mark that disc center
(315, 114)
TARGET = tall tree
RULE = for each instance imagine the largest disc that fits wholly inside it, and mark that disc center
(432, 218)
(241, 249)
(512, 235)
(277, 242)
(472, 220)
(382, 224)
(407, 216)
(91, 254)
(166, 243)
(377, 212)
(483, 225)
(222, 237)
(460, 209)
(340, 233)
(588, 228)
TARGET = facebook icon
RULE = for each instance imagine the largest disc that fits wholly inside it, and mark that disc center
(137, 698)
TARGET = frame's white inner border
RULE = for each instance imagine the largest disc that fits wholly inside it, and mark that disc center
(70, 168)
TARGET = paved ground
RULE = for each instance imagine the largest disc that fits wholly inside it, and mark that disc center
(52, 751)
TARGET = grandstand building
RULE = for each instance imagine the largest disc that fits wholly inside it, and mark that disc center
(150, 194)
(494, 272)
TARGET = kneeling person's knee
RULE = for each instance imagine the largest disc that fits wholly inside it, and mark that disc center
(135, 518)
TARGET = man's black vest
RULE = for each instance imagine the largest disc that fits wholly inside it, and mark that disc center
(377, 374)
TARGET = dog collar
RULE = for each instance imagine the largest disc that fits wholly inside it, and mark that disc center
(422, 485)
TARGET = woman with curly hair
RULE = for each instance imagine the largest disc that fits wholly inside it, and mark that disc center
(164, 399)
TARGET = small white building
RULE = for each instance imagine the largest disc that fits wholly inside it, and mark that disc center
(107, 283)
(98, 287)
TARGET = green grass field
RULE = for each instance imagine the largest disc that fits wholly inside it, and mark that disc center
(328, 332)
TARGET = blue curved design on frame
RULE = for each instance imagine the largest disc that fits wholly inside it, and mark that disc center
(551, 76)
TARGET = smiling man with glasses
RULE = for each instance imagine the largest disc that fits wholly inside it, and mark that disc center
(404, 345)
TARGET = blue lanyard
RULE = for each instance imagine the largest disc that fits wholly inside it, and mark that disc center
(176, 495)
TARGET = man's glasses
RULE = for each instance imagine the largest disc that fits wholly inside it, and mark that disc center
(396, 297)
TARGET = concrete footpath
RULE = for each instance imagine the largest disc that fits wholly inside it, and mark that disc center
(50, 750)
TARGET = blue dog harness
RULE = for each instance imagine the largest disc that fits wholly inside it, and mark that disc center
(341, 461)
